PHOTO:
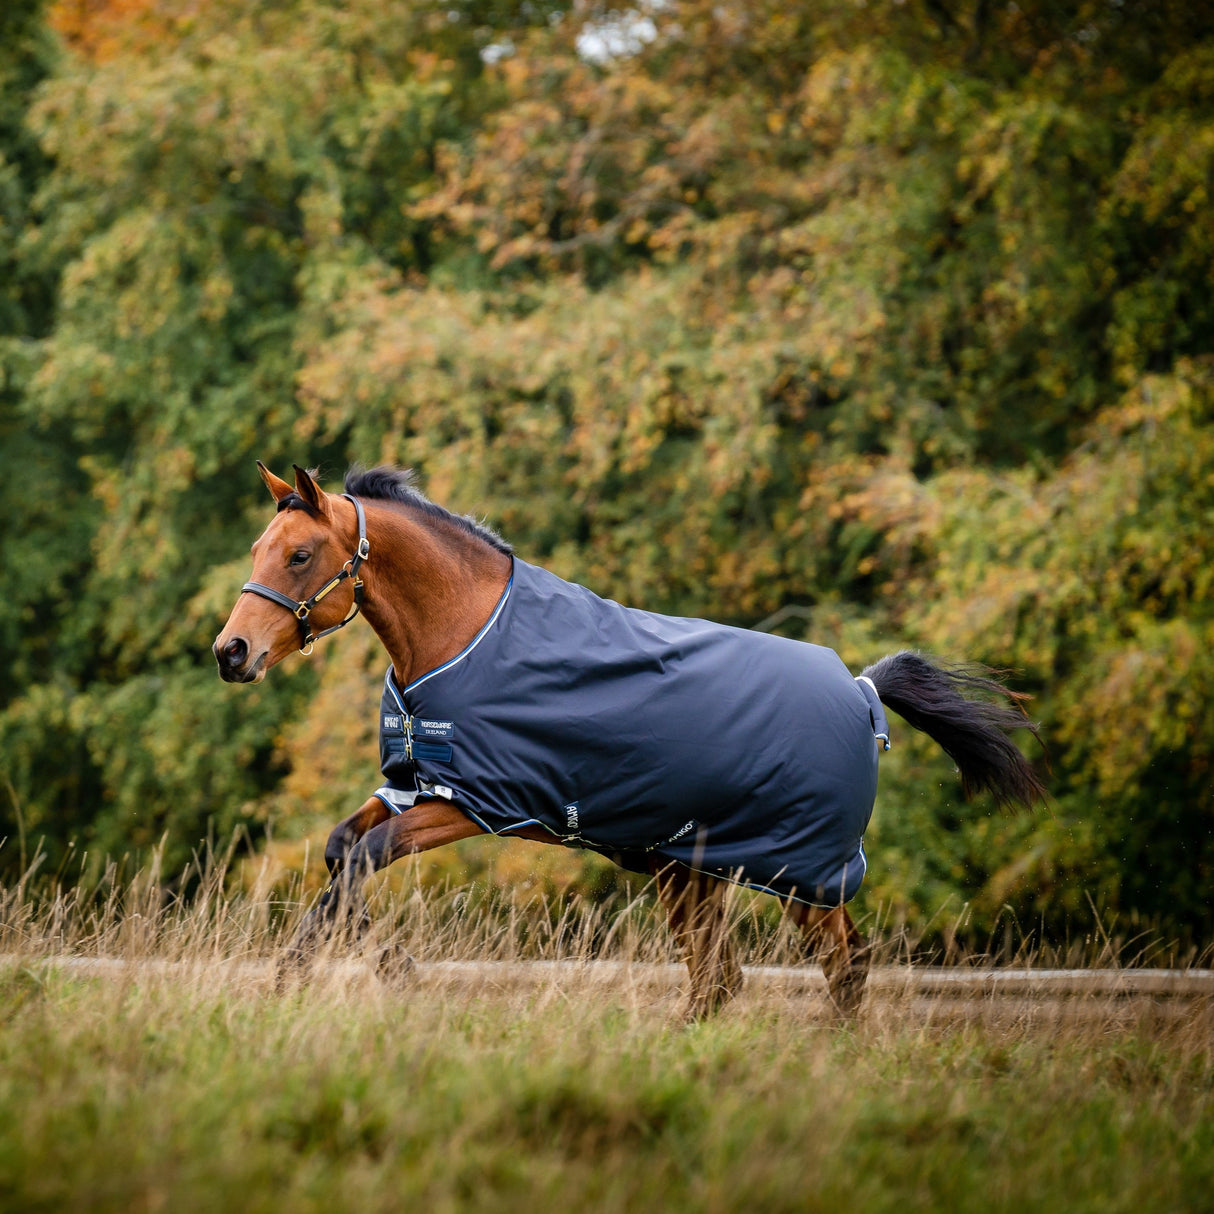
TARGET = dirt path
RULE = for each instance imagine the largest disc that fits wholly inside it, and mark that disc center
(928, 991)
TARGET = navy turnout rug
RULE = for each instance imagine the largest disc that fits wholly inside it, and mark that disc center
(748, 756)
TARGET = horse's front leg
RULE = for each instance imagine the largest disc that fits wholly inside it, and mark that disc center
(695, 905)
(320, 923)
(347, 832)
(830, 933)
(361, 845)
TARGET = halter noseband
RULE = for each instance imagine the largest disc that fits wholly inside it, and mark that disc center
(303, 608)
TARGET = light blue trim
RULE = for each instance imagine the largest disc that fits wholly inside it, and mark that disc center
(390, 684)
(388, 803)
(396, 799)
(883, 738)
(463, 809)
(463, 653)
(505, 829)
(775, 893)
(529, 822)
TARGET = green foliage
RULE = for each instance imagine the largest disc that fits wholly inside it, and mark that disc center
(214, 189)
(1096, 583)
(894, 315)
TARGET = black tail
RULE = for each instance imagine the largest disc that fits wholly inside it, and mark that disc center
(973, 732)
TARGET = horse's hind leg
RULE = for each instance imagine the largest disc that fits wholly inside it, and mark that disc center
(695, 904)
(830, 933)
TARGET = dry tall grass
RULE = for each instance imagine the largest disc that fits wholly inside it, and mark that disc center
(157, 1067)
(227, 908)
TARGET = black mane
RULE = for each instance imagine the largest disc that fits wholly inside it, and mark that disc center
(388, 484)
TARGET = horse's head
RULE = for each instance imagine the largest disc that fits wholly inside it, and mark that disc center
(298, 591)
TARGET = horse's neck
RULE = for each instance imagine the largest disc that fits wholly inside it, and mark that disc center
(429, 588)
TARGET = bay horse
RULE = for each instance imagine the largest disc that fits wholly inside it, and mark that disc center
(520, 704)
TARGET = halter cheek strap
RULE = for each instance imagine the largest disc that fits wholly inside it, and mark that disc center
(302, 608)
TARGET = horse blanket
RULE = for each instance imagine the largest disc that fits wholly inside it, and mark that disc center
(747, 756)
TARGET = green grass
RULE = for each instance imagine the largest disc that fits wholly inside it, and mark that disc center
(149, 1092)
(198, 1087)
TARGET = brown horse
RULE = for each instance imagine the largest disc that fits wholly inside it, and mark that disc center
(428, 582)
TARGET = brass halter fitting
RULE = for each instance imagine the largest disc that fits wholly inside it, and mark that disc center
(302, 609)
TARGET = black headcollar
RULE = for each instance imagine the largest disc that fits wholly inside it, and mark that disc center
(303, 608)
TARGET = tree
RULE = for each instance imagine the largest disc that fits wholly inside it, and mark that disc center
(214, 178)
(886, 323)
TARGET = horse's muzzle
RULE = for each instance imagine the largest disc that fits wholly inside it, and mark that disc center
(234, 664)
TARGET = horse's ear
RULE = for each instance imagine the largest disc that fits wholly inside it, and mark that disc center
(310, 491)
(276, 485)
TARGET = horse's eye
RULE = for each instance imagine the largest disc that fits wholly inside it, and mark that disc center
(300, 558)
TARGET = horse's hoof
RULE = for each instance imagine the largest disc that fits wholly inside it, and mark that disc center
(394, 966)
(847, 994)
(291, 971)
(711, 1001)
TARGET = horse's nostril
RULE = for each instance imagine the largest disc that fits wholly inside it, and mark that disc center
(236, 650)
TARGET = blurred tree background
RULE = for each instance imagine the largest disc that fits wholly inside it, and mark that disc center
(894, 321)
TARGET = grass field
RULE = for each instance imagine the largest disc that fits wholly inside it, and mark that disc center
(194, 1086)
